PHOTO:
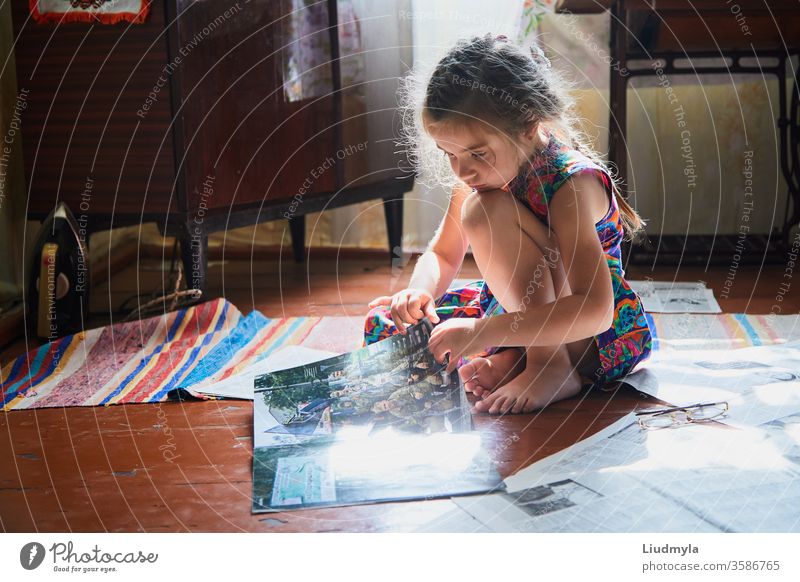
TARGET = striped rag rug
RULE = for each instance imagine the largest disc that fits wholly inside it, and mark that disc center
(161, 358)
(164, 357)
(721, 331)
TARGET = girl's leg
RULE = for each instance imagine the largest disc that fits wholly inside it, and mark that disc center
(520, 259)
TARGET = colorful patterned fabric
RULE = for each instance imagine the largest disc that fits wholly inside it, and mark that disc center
(150, 360)
(628, 341)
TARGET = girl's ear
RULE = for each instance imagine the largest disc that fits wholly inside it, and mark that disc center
(532, 129)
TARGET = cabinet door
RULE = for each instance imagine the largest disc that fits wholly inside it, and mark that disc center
(249, 138)
(87, 138)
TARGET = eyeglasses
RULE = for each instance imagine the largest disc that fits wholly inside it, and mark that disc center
(680, 415)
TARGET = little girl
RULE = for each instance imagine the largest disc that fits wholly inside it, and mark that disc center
(553, 311)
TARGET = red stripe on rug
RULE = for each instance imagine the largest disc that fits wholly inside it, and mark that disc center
(168, 361)
(161, 368)
(254, 349)
(113, 350)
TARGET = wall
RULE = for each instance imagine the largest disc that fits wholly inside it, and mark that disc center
(12, 189)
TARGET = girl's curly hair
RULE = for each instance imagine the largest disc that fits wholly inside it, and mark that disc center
(490, 80)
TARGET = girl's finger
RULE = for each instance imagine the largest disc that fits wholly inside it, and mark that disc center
(430, 311)
(451, 364)
(385, 300)
(402, 309)
(413, 308)
(397, 318)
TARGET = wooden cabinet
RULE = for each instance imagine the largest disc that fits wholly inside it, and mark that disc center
(214, 115)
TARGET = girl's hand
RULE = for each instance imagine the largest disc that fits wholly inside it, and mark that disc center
(409, 306)
(458, 337)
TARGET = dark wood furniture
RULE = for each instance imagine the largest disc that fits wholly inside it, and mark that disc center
(671, 31)
(184, 120)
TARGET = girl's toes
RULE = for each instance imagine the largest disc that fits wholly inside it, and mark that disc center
(485, 404)
(498, 405)
(520, 406)
(466, 371)
(508, 405)
(474, 387)
(525, 404)
(470, 373)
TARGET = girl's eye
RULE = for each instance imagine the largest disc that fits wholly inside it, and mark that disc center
(478, 155)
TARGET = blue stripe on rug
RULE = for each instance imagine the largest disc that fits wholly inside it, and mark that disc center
(238, 338)
(157, 351)
(15, 369)
(277, 343)
(652, 325)
(37, 364)
(745, 323)
(191, 360)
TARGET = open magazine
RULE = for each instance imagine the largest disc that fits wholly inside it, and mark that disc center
(384, 422)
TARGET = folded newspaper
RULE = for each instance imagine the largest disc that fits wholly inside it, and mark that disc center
(692, 478)
(382, 423)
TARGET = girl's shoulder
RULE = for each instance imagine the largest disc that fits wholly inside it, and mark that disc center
(540, 179)
(562, 161)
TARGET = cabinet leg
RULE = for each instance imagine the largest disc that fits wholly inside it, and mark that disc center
(617, 127)
(393, 209)
(194, 256)
(789, 125)
(297, 227)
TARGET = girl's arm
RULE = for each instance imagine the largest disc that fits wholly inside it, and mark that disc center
(589, 310)
(438, 265)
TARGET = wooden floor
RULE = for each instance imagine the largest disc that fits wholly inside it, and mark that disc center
(187, 466)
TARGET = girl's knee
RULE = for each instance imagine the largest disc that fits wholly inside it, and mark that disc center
(479, 209)
(496, 208)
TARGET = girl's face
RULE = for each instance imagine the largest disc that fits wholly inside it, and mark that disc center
(483, 159)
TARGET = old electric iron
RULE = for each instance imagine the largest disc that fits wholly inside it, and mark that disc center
(58, 284)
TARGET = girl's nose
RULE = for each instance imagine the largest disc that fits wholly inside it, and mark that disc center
(466, 173)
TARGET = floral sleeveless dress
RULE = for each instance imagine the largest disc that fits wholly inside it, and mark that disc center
(620, 348)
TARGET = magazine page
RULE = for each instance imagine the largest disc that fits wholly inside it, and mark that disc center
(241, 384)
(395, 382)
(387, 400)
(387, 466)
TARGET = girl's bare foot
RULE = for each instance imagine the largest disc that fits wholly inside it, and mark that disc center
(539, 384)
(482, 376)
